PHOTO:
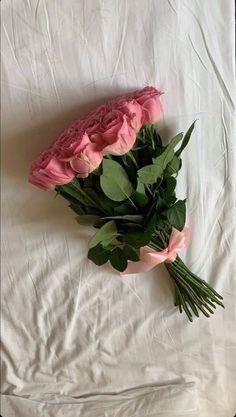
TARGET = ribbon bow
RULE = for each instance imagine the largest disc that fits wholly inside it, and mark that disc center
(149, 258)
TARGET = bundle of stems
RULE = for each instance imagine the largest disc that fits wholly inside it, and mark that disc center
(192, 294)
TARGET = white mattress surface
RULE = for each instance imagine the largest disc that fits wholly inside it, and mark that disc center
(79, 340)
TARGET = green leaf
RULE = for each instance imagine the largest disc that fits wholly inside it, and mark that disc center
(150, 136)
(149, 174)
(171, 199)
(137, 239)
(99, 255)
(173, 166)
(168, 154)
(170, 185)
(114, 181)
(139, 196)
(77, 209)
(128, 227)
(141, 200)
(130, 253)
(87, 219)
(176, 214)
(123, 209)
(140, 187)
(71, 194)
(107, 231)
(107, 242)
(118, 260)
(75, 190)
(186, 139)
(105, 204)
(136, 218)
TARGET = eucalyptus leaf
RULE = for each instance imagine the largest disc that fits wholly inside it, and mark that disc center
(131, 226)
(78, 209)
(118, 259)
(107, 242)
(107, 231)
(136, 218)
(173, 166)
(87, 219)
(137, 239)
(171, 199)
(105, 204)
(151, 136)
(140, 187)
(186, 139)
(168, 154)
(141, 200)
(75, 190)
(150, 173)
(114, 181)
(176, 214)
(125, 208)
(71, 194)
(130, 253)
(170, 185)
(99, 255)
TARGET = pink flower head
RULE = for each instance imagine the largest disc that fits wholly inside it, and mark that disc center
(47, 171)
(131, 108)
(116, 135)
(87, 161)
(149, 100)
(101, 110)
(71, 142)
(91, 124)
(75, 146)
(109, 129)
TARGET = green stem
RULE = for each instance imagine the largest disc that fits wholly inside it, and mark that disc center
(201, 284)
(200, 280)
(192, 294)
(193, 297)
(131, 156)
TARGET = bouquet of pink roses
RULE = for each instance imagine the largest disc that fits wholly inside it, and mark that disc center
(119, 177)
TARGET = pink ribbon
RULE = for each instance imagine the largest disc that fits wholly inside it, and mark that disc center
(149, 258)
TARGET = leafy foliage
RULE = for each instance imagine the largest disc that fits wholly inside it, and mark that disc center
(186, 139)
(176, 214)
(149, 173)
(130, 199)
(99, 255)
(114, 181)
(118, 259)
(105, 234)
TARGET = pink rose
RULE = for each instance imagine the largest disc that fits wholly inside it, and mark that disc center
(131, 108)
(149, 99)
(101, 110)
(47, 171)
(75, 146)
(87, 161)
(91, 123)
(71, 142)
(116, 135)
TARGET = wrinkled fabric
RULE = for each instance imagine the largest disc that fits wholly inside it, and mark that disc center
(70, 329)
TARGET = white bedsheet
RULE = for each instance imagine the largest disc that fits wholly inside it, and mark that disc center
(72, 330)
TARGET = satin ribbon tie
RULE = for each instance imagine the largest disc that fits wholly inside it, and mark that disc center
(149, 258)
